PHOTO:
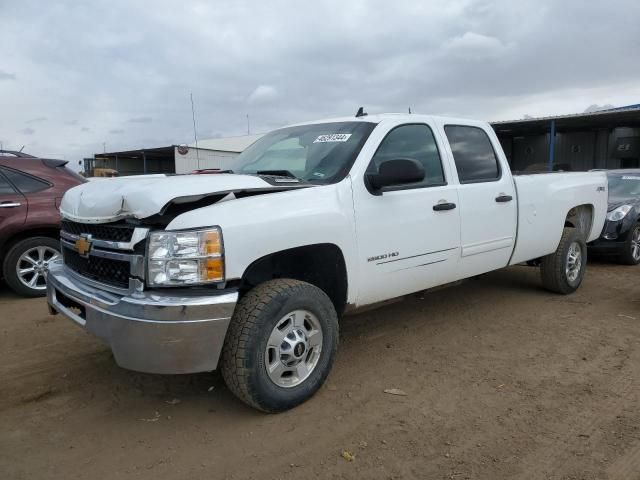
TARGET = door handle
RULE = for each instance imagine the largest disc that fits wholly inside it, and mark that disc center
(504, 198)
(9, 204)
(444, 206)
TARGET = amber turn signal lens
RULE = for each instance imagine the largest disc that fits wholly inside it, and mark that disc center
(214, 269)
(212, 243)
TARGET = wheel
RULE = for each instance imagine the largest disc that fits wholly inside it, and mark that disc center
(281, 344)
(631, 252)
(26, 265)
(563, 270)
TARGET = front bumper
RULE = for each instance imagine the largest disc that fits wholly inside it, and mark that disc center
(160, 331)
(612, 239)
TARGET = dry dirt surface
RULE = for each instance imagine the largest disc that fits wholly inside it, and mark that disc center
(502, 380)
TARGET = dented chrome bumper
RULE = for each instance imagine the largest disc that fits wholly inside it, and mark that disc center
(162, 331)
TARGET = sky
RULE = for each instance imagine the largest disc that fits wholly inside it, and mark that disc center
(77, 78)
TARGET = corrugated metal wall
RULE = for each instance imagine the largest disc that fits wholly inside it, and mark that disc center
(578, 151)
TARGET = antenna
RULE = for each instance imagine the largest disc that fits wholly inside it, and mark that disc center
(409, 110)
(21, 148)
(361, 112)
(195, 135)
(248, 129)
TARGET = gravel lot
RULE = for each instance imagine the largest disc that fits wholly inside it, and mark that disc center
(502, 380)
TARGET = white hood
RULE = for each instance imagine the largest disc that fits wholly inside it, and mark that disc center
(143, 196)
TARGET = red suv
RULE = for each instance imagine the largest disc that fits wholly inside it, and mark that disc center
(30, 192)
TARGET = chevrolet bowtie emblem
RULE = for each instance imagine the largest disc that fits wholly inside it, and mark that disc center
(83, 245)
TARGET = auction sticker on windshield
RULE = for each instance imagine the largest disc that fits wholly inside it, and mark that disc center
(629, 177)
(332, 137)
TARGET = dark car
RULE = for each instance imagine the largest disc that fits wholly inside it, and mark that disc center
(621, 233)
(30, 192)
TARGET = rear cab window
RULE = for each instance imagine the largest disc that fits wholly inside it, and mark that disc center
(476, 160)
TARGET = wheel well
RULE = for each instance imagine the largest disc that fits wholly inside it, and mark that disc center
(321, 265)
(581, 218)
(51, 232)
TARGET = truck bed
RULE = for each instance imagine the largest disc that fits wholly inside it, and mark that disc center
(543, 204)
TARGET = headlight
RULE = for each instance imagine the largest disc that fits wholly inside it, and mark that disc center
(619, 213)
(185, 258)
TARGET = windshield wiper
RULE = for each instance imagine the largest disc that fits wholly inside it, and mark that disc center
(280, 176)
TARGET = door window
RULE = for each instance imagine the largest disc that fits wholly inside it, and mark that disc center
(414, 141)
(5, 186)
(25, 183)
(473, 153)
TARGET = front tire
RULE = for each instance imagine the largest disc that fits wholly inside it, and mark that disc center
(27, 263)
(281, 345)
(631, 252)
(563, 271)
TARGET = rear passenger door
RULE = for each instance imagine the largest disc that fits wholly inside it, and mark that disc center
(13, 208)
(42, 204)
(488, 207)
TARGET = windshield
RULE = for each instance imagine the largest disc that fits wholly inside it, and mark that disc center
(318, 153)
(624, 186)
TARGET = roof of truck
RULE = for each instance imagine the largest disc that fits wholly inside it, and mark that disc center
(379, 117)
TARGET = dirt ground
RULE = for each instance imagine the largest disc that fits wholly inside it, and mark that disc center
(503, 380)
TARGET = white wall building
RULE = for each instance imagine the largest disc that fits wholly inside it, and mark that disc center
(211, 153)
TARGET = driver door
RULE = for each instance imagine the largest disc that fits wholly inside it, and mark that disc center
(404, 244)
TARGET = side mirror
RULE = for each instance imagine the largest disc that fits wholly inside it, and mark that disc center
(396, 172)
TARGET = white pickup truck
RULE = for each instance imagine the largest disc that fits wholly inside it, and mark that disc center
(249, 269)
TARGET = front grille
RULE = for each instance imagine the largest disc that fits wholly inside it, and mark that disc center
(104, 270)
(111, 232)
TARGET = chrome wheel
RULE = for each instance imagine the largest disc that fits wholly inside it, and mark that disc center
(33, 265)
(574, 262)
(293, 348)
(635, 244)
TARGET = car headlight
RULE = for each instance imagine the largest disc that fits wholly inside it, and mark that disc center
(192, 257)
(619, 213)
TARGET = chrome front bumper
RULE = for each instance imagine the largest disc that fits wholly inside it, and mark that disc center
(161, 331)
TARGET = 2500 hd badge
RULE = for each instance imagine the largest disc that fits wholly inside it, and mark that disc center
(383, 256)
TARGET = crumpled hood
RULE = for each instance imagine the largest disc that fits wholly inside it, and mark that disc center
(112, 199)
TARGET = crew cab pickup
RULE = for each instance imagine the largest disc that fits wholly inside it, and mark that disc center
(249, 269)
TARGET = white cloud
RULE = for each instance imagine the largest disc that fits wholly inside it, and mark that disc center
(263, 94)
(474, 46)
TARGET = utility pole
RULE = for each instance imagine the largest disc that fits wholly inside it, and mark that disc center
(195, 135)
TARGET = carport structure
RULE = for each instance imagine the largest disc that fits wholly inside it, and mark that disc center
(603, 139)
(137, 162)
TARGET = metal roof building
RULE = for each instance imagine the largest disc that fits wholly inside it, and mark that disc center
(602, 139)
(210, 153)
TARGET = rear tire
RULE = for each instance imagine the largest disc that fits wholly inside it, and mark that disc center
(281, 345)
(25, 266)
(631, 253)
(563, 271)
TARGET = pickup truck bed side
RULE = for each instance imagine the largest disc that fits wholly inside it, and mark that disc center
(544, 203)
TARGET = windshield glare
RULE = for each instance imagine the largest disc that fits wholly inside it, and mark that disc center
(624, 186)
(319, 153)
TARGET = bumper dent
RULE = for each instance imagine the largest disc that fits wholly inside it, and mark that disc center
(169, 331)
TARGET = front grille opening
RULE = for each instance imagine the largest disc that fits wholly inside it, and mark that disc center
(71, 304)
(114, 232)
(103, 270)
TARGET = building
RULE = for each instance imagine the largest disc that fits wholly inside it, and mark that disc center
(211, 153)
(578, 142)
(603, 139)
